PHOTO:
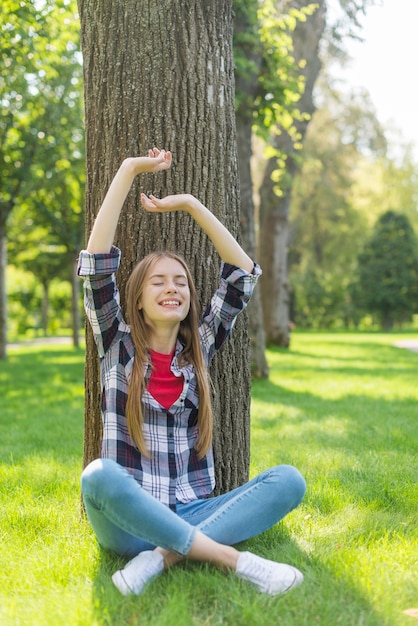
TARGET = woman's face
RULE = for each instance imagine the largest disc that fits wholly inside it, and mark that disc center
(165, 299)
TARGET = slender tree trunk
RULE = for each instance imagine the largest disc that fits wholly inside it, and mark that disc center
(274, 210)
(275, 290)
(163, 75)
(247, 86)
(44, 308)
(75, 303)
(387, 321)
(259, 366)
(3, 292)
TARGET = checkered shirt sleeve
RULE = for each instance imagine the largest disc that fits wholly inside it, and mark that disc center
(232, 296)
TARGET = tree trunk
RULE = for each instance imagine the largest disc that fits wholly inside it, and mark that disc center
(45, 307)
(275, 291)
(247, 85)
(3, 292)
(75, 303)
(162, 75)
(259, 366)
(387, 322)
(274, 210)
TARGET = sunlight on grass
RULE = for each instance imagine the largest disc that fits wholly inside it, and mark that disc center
(341, 408)
(344, 410)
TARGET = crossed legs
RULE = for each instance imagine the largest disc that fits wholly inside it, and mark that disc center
(128, 520)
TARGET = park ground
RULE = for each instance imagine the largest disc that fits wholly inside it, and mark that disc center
(341, 407)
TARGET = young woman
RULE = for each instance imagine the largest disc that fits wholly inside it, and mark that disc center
(148, 496)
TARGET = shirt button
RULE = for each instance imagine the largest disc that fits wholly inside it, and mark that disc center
(170, 435)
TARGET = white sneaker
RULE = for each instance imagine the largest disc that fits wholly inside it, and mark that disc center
(137, 573)
(270, 577)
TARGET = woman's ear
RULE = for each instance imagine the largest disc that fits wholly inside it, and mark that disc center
(139, 305)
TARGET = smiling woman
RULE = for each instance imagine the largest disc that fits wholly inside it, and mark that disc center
(148, 496)
(164, 300)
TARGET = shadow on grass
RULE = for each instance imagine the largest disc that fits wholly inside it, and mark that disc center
(193, 594)
(368, 460)
(362, 445)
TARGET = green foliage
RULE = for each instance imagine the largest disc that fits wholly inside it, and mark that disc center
(325, 227)
(346, 181)
(320, 300)
(25, 297)
(388, 270)
(41, 124)
(386, 183)
(269, 81)
(341, 408)
(24, 302)
(41, 143)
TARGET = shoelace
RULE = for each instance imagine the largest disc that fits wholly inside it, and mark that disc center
(124, 580)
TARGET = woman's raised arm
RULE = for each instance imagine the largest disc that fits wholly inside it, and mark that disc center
(228, 248)
(104, 228)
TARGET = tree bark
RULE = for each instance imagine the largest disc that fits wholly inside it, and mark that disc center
(274, 209)
(259, 366)
(161, 73)
(247, 85)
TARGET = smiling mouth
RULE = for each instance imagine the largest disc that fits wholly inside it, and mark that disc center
(170, 303)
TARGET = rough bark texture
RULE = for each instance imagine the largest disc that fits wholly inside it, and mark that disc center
(274, 210)
(161, 73)
(247, 86)
(259, 366)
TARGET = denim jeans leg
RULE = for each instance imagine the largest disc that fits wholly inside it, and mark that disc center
(125, 518)
(249, 509)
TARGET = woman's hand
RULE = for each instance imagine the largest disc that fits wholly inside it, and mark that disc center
(229, 249)
(156, 161)
(103, 232)
(177, 202)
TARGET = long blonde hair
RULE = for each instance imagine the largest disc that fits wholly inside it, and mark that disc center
(191, 354)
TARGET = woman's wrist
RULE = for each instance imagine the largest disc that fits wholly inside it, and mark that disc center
(195, 207)
(133, 166)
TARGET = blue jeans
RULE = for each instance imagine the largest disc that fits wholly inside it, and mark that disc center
(127, 520)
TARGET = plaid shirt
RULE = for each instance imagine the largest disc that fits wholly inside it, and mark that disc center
(173, 471)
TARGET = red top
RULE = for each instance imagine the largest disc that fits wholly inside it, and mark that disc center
(163, 385)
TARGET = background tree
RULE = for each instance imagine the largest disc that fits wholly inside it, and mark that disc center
(388, 271)
(41, 133)
(164, 76)
(268, 84)
(45, 262)
(45, 267)
(52, 217)
(275, 196)
(59, 209)
(329, 222)
(17, 142)
(386, 182)
(248, 60)
(313, 40)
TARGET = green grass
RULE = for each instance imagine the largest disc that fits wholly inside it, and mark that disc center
(341, 407)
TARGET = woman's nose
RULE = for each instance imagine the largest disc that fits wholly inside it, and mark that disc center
(171, 287)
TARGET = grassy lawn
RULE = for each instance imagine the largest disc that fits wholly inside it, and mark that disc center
(341, 407)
